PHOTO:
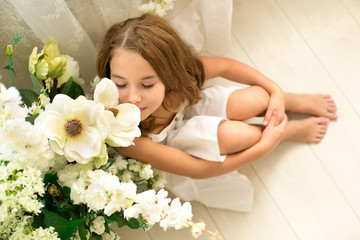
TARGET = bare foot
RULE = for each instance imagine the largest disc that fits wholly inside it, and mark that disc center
(309, 130)
(314, 104)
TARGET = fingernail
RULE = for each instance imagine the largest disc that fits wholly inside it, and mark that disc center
(265, 123)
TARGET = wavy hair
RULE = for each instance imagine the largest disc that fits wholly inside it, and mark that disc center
(159, 44)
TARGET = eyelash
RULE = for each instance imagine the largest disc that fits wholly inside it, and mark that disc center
(144, 86)
(148, 86)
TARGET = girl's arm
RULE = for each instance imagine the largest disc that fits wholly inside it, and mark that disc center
(239, 72)
(172, 160)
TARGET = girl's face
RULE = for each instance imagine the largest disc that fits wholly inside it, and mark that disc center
(137, 81)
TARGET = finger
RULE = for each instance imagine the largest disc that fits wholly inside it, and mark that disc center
(267, 117)
(272, 121)
(283, 122)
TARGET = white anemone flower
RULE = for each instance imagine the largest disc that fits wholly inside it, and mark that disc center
(75, 128)
(124, 127)
(124, 118)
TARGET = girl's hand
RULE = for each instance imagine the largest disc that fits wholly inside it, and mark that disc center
(276, 104)
(273, 134)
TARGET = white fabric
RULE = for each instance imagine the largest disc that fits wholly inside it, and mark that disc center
(197, 135)
(79, 26)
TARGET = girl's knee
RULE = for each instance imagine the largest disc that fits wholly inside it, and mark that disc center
(247, 103)
(236, 136)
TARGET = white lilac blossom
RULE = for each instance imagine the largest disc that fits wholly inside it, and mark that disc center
(197, 228)
(157, 7)
(150, 205)
(18, 197)
(177, 216)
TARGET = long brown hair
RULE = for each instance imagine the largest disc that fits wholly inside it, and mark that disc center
(158, 43)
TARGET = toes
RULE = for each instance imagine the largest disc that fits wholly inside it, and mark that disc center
(323, 120)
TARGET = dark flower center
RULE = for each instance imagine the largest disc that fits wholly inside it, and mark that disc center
(115, 111)
(73, 127)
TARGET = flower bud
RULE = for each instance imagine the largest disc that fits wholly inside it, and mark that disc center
(9, 50)
(57, 67)
(41, 69)
(33, 60)
(51, 50)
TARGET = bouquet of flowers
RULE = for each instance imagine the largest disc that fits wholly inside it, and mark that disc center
(60, 177)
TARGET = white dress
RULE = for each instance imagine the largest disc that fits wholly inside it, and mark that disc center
(195, 132)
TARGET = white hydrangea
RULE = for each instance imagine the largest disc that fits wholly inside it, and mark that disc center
(121, 198)
(110, 236)
(98, 225)
(126, 176)
(68, 175)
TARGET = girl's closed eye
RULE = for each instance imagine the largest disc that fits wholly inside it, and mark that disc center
(148, 85)
(120, 85)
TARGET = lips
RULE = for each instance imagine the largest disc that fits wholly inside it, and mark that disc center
(142, 109)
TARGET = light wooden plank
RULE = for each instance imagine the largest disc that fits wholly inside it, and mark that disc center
(275, 46)
(127, 233)
(353, 7)
(312, 16)
(343, 63)
(288, 56)
(264, 222)
(306, 195)
(338, 49)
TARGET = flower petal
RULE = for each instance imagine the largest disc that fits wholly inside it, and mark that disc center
(128, 116)
(84, 147)
(106, 93)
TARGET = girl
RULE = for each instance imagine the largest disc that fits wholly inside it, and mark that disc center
(197, 133)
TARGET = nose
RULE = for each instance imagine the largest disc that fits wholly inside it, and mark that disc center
(134, 96)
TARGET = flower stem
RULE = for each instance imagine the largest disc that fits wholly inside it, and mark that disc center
(11, 75)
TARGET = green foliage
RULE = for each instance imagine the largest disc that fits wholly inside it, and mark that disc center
(72, 89)
(28, 96)
(63, 227)
(37, 85)
(133, 223)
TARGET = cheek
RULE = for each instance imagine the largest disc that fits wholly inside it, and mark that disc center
(122, 96)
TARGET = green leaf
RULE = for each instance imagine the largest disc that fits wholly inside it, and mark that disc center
(63, 227)
(120, 220)
(82, 231)
(37, 84)
(8, 68)
(50, 178)
(31, 118)
(133, 223)
(28, 96)
(72, 89)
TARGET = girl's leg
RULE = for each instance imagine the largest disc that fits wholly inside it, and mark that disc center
(246, 103)
(235, 136)
(314, 104)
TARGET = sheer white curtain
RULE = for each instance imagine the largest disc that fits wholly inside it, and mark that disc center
(78, 27)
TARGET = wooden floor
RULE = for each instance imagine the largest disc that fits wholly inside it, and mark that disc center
(302, 191)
